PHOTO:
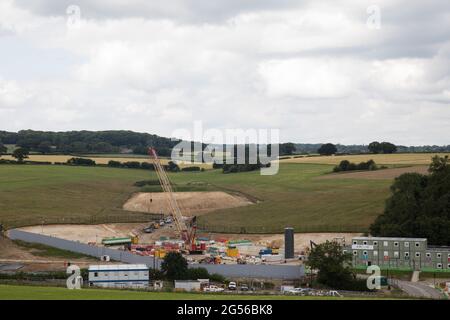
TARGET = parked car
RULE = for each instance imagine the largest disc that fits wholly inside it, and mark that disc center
(244, 287)
(213, 288)
(149, 229)
(232, 285)
(168, 220)
(299, 291)
(334, 293)
(161, 223)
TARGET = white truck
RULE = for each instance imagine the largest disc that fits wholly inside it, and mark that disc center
(213, 288)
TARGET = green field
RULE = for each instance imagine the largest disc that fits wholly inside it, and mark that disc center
(294, 197)
(8, 292)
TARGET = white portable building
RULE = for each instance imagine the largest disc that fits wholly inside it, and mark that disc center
(119, 275)
(188, 285)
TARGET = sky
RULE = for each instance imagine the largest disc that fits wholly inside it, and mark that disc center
(341, 71)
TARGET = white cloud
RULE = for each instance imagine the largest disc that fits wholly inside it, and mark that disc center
(11, 95)
(307, 78)
(155, 67)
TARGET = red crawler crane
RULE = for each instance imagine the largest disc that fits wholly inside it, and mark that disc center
(185, 231)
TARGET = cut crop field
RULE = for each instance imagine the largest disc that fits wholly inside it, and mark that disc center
(396, 159)
(9, 292)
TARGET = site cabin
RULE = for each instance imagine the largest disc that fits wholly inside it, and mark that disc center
(119, 276)
(190, 285)
(399, 253)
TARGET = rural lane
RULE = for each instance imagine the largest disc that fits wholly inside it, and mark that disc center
(419, 290)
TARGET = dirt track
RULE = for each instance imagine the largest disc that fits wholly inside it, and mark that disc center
(377, 174)
(192, 202)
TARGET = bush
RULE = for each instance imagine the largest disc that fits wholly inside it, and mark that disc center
(191, 169)
(215, 277)
(114, 164)
(5, 161)
(38, 162)
(147, 166)
(217, 165)
(81, 162)
(234, 168)
(172, 167)
(132, 164)
(346, 165)
(146, 183)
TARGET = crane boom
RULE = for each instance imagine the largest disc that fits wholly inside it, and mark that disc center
(175, 211)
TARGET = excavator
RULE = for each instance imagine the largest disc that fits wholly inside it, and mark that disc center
(186, 230)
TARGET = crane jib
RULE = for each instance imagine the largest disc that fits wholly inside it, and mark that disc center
(185, 232)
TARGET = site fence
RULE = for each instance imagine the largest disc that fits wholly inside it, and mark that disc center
(89, 250)
(119, 217)
(278, 229)
(227, 270)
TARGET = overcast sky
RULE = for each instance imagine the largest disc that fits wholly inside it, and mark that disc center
(323, 72)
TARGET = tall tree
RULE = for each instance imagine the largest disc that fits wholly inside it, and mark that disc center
(20, 154)
(388, 147)
(332, 263)
(383, 147)
(175, 266)
(287, 148)
(327, 149)
(374, 147)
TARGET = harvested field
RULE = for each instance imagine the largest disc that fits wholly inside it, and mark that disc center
(191, 203)
(377, 174)
(389, 159)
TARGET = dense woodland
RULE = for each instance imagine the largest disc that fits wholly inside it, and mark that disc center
(419, 206)
(88, 141)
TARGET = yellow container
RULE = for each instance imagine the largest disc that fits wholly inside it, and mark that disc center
(233, 252)
(160, 253)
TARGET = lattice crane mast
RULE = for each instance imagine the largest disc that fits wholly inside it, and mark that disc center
(186, 232)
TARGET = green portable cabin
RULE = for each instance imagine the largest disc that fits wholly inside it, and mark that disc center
(116, 241)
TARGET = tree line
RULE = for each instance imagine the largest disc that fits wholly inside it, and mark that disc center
(374, 147)
(419, 206)
(114, 141)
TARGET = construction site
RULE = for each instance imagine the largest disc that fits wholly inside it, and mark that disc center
(177, 230)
